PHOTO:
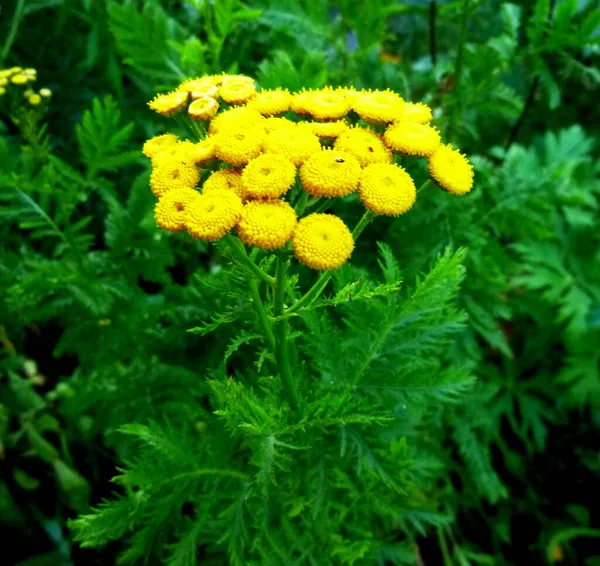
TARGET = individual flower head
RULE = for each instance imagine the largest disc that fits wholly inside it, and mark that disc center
(45, 92)
(238, 79)
(365, 145)
(213, 214)
(3, 81)
(178, 152)
(327, 130)
(203, 108)
(237, 92)
(211, 91)
(322, 241)
(170, 174)
(227, 179)
(2, 91)
(268, 176)
(19, 79)
(299, 102)
(168, 104)
(386, 188)
(190, 85)
(202, 151)
(379, 106)
(330, 173)
(238, 146)
(235, 118)
(451, 170)
(170, 210)
(267, 224)
(296, 147)
(272, 124)
(34, 99)
(326, 104)
(413, 139)
(416, 112)
(158, 143)
(272, 102)
(31, 74)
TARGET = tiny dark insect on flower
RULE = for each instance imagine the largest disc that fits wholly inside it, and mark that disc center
(339, 160)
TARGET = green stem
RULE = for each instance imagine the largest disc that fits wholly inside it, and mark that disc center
(14, 26)
(282, 355)
(239, 251)
(322, 281)
(323, 206)
(424, 186)
(261, 314)
(301, 204)
(458, 65)
(444, 547)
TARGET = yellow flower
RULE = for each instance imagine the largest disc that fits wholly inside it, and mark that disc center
(158, 143)
(322, 241)
(35, 99)
(234, 92)
(272, 102)
(178, 152)
(379, 106)
(329, 130)
(170, 174)
(227, 179)
(296, 147)
(268, 176)
(238, 146)
(203, 108)
(168, 104)
(419, 113)
(239, 79)
(267, 224)
(2, 91)
(414, 139)
(19, 79)
(299, 102)
(201, 152)
(3, 81)
(365, 145)
(45, 92)
(387, 189)
(272, 124)
(209, 90)
(330, 173)
(170, 210)
(190, 85)
(213, 214)
(451, 170)
(235, 118)
(326, 104)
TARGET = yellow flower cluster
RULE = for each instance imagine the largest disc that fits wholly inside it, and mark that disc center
(16, 85)
(263, 157)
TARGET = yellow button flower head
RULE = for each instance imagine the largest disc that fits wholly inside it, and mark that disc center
(238, 146)
(178, 152)
(419, 113)
(379, 106)
(413, 139)
(34, 99)
(272, 102)
(365, 145)
(168, 104)
(2, 91)
(19, 79)
(3, 81)
(190, 85)
(235, 118)
(213, 215)
(267, 224)
(239, 79)
(387, 189)
(171, 174)
(202, 151)
(209, 90)
(451, 170)
(268, 176)
(158, 143)
(45, 92)
(326, 104)
(297, 147)
(330, 173)
(227, 179)
(322, 241)
(299, 102)
(237, 92)
(272, 124)
(327, 130)
(203, 108)
(170, 210)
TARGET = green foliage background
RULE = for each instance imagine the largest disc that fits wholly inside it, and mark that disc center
(451, 372)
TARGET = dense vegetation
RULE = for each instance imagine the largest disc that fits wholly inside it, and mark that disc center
(468, 327)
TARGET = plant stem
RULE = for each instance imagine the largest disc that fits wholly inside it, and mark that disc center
(301, 204)
(444, 547)
(432, 39)
(526, 107)
(261, 314)
(458, 65)
(424, 185)
(14, 26)
(240, 254)
(322, 281)
(281, 331)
